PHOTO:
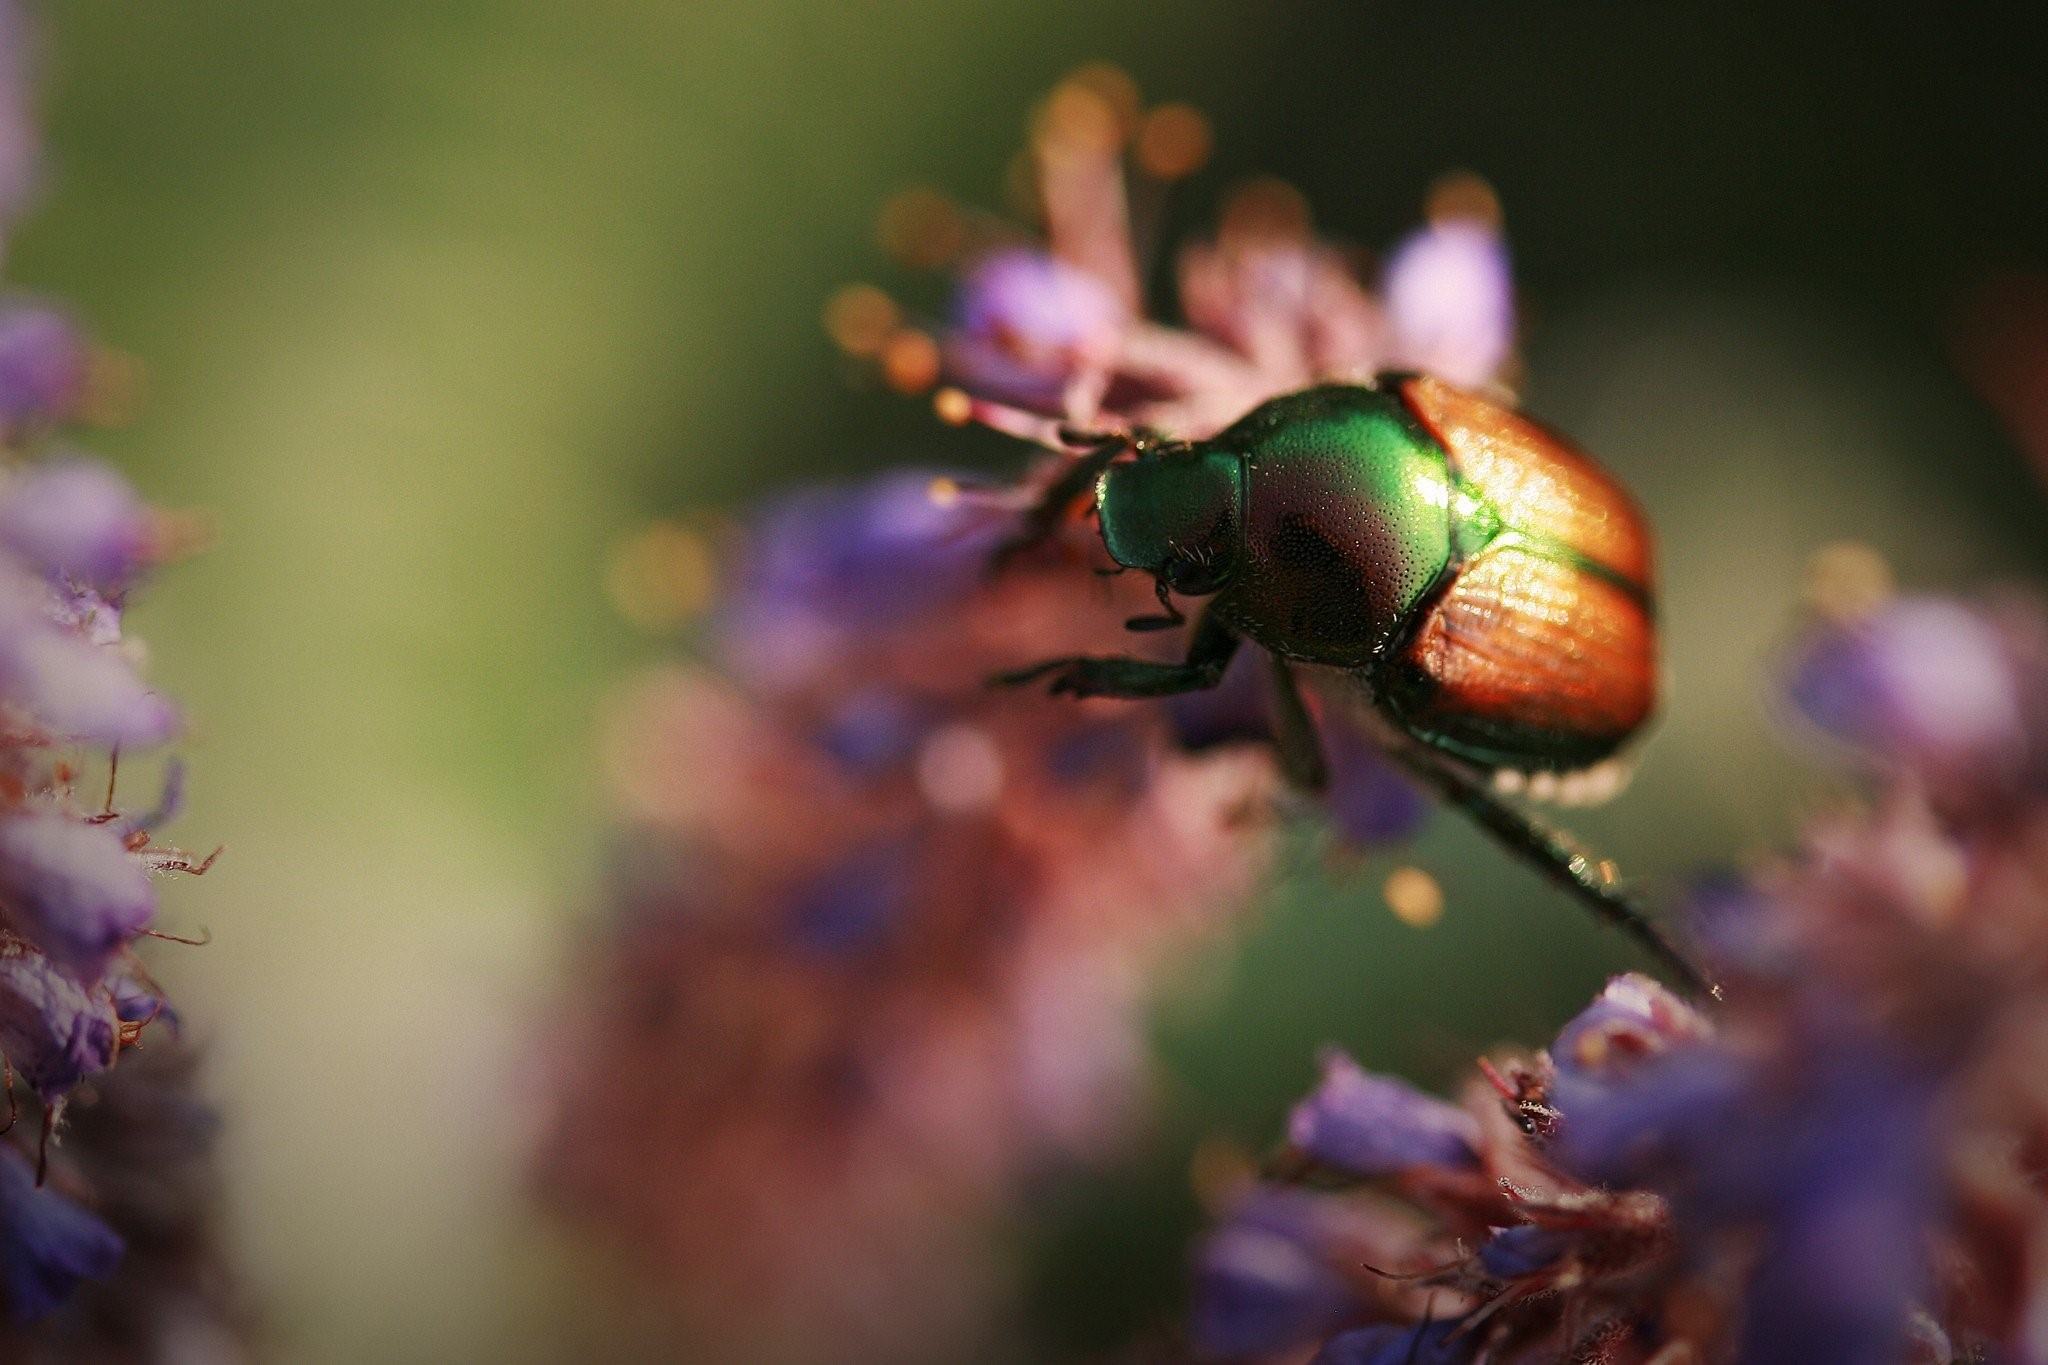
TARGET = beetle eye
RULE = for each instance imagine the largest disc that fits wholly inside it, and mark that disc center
(1194, 573)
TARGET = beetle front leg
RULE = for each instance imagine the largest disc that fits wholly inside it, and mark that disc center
(1209, 653)
(1043, 519)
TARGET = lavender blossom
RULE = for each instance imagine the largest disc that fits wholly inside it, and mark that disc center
(1836, 1164)
(73, 889)
(48, 1244)
(932, 983)
(76, 888)
(44, 365)
(76, 520)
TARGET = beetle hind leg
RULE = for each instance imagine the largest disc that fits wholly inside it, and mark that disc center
(1558, 858)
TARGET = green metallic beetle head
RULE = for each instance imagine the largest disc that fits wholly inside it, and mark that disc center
(1177, 514)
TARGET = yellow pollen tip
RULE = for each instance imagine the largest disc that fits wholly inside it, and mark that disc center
(1414, 896)
(1461, 196)
(910, 362)
(922, 228)
(661, 576)
(954, 407)
(860, 319)
(1173, 141)
(1847, 581)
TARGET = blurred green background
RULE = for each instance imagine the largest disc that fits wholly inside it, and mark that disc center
(437, 300)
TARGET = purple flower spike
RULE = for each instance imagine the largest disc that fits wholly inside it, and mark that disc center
(71, 888)
(1429, 1343)
(75, 519)
(1451, 300)
(1923, 681)
(1263, 1281)
(47, 1243)
(1369, 1125)
(53, 1030)
(44, 361)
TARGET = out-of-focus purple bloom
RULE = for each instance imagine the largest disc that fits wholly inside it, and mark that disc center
(1028, 323)
(1367, 1125)
(53, 1030)
(73, 893)
(1370, 801)
(1921, 681)
(1850, 1181)
(76, 519)
(874, 730)
(1237, 710)
(44, 362)
(71, 888)
(1451, 302)
(1522, 1250)
(1428, 1343)
(48, 1244)
(74, 689)
(1630, 1021)
(829, 562)
(852, 905)
(1265, 1281)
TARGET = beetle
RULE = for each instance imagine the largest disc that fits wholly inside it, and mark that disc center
(1470, 581)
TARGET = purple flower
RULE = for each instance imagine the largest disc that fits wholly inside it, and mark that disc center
(873, 731)
(47, 1243)
(1921, 681)
(852, 905)
(43, 365)
(1367, 1125)
(828, 563)
(1427, 1343)
(1028, 322)
(1512, 1253)
(71, 888)
(54, 1031)
(77, 519)
(75, 689)
(1370, 800)
(1264, 1282)
(1237, 710)
(1632, 1019)
(1450, 298)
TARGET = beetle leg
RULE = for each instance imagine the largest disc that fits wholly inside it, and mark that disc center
(1076, 482)
(1295, 740)
(1556, 857)
(1209, 652)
